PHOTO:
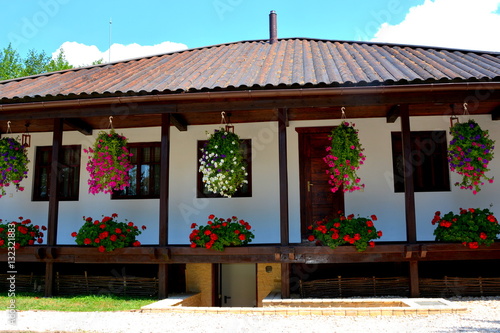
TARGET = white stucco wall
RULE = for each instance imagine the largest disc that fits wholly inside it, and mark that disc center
(262, 209)
(378, 196)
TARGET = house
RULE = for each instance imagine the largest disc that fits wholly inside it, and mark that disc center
(285, 95)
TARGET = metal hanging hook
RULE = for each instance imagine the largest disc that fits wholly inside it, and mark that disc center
(466, 111)
(9, 130)
(111, 122)
(223, 117)
(343, 116)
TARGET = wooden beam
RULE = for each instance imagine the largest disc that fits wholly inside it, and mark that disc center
(495, 114)
(285, 280)
(411, 226)
(164, 178)
(393, 114)
(414, 283)
(49, 279)
(54, 186)
(178, 121)
(162, 281)
(79, 125)
(283, 176)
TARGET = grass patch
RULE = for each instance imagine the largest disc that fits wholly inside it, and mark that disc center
(84, 303)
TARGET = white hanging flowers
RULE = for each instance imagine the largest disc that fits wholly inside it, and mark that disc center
(223, 166)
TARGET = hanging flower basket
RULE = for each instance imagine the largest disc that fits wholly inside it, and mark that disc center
(471, 227)
(350, 230)
(107, 234)
(469, 153)
(108, 163)
(222, 163)
(219, 233)
(13, 164)
(18, 234)
(345, 156)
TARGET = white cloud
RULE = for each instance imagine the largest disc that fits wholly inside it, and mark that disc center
(79, 54)
(463, 24)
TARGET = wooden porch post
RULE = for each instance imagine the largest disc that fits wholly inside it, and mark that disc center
(164, 189)
(283, 175)
(53, 215)
(411, 225)
(283, 178)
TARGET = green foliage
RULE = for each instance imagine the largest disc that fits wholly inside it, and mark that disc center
(222, 163)
(25, 233)
(472, 227)
(357, 231)
(219, 233)
(36, 62)
(13, 164)
(107, 234)
(469, 153)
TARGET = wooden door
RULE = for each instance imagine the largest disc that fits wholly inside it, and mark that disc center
(316, 199)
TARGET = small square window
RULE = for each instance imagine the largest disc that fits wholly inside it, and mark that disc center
(69, 173)
(145, 172)
(428, 161)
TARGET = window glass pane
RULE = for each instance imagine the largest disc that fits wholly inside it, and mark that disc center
(145, 179)
(155, 172)
(146, 155)
(134, 157)
(44, 181)
(156, 154)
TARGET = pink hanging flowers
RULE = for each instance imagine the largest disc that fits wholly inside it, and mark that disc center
(108, 163)
(344, 157)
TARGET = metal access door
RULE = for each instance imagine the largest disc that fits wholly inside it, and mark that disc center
(238, 285)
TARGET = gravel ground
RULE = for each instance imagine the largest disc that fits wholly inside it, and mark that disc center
(483, 316)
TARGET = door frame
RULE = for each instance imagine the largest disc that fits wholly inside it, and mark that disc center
(305, 164)
(217, 283)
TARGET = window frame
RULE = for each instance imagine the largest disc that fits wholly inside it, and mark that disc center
(140, 146)
(39, 167)
(426, 144)
(244, 192)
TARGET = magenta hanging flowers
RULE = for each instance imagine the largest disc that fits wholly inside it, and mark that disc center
(345, 156)
(469, 153)
(13, 164)
(108, 163)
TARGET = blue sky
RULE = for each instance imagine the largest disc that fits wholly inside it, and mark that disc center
(160, 26)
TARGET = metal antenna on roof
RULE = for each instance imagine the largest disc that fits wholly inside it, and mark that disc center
(109, 50)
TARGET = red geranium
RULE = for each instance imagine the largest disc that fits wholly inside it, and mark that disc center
(218, 233)
(110, 233)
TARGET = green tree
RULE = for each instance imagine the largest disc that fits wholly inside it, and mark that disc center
(10, 63)
(36, 62)
(58, 63)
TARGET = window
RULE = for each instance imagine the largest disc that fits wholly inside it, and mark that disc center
(429, 163)
(245, 191)
(69, 173)
(145, 172)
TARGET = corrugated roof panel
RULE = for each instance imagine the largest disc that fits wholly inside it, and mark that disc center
(290, 62)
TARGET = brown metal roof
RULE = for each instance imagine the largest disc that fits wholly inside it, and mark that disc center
(288, 63)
